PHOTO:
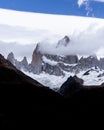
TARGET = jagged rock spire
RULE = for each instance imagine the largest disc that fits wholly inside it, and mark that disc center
(63, 42)
(36, 63)
(11, 58)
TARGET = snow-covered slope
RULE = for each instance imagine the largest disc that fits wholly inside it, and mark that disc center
(53, 70)
(53, 81)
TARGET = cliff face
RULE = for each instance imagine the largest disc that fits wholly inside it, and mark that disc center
(24, 64)
(36, 64)
(51, 63)
(11, 58)
(63, 42)
(56, 64)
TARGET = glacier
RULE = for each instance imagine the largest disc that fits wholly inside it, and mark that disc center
(53, 81)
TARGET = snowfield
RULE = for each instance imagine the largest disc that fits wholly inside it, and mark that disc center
(53, 81)
(50, 62)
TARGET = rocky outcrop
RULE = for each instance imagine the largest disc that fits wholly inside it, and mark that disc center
(68, 59)
(63, 42)
(24, 64)
(101, 63)
(14, 61)
(36, 64)
(52, 70)
(88, 62)
(19, 64)
(101, 75)
(57, 65)
(11, 58)
(71, 59)
(6, 63)
(90, 70)
(72, 85)
(61, 64)
(54, 64)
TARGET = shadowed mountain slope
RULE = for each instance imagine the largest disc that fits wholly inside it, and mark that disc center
(24, 102)
(22, 99)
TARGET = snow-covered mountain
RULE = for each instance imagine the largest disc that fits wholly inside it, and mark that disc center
(53, 69)
(59, 45)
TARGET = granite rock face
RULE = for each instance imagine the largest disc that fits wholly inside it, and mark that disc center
(70, 86)
(55, 64)
(63, 42)
(89, 62)
(14, 61)
(36, 64)
(24, 64)
(19, 64)
(11, 58)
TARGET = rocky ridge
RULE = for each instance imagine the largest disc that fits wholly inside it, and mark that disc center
(56, 64)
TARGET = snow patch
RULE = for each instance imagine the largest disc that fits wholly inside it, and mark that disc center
(48, 61)
(53, 81)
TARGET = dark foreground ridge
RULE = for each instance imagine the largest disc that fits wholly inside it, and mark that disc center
(22, 99)
(24, 102)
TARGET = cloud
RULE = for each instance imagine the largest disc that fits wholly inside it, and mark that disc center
(86, 34)
(81, 2)
(87, 42)
(22, 35)
(84, 2)
(19, 50)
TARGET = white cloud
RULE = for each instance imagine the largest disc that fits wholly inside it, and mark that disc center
(87, 34)
(19, 50)
(83, 2)
(87, 42)
(86, 3)
(22, 35)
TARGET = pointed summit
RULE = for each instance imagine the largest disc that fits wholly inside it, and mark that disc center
(5, 63)
(24, 61)
(63, 42)
(24, 64)
(11, 58)
(36, 63)
(67, 39)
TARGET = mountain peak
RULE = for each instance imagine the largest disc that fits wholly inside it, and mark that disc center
(6, 63)
(67, 39)
(63, 42)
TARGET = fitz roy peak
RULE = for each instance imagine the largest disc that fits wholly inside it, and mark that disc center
(56, 64)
